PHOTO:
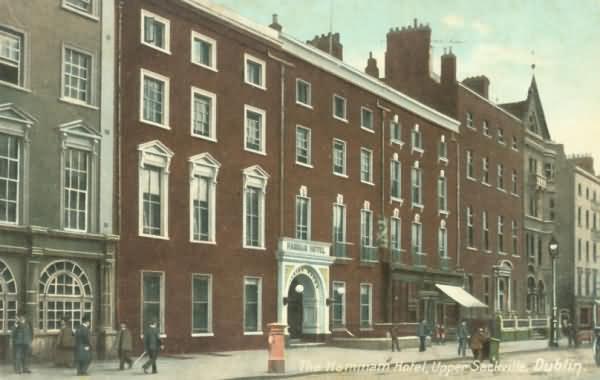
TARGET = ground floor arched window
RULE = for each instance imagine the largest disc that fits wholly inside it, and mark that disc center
(8, 298)
(64, 291)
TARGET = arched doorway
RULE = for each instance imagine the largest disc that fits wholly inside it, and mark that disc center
(302, 307)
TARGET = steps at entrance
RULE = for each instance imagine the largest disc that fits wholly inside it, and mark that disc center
(299, 343)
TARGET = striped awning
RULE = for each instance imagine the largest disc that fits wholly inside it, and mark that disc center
(460, 295)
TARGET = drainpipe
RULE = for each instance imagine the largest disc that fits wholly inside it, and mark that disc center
(387, 306)
(118, 137)
(458, 206)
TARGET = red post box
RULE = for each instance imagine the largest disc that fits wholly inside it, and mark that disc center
(276, 347)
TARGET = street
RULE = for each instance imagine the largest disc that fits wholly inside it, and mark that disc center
(561, 364)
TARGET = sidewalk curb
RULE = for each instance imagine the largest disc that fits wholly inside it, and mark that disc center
(416, 362)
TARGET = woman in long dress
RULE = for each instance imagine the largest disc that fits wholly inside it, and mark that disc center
(65, 342)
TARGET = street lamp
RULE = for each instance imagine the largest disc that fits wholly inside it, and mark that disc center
(553, 251)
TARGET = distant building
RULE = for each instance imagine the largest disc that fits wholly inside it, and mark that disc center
(57, 237)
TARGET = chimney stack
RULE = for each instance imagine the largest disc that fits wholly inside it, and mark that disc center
(372, 68)
(448, 67)
(480, 84)
(329, 43)
(275, 24)
(584, 161)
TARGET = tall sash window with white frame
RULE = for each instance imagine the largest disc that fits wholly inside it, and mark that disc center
(76, 189)
(302, 217)
(201, 203)
(152, 198)
(10, 165)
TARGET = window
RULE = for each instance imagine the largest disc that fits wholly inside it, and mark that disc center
(155, 99)
(579, 216)
(366, 166)
(339, 108)
(77, 74)
(339, 222)
(587, 251)
(366, 307)
(152, 199)
(417, 180)
(366, 228)
(501, 135)
(303, 92)
(366, 119)
(204, 51)
(303, 146)
(255, 186)
(156, 31)
(469, 119)
(485, 169)
(579, 189)
(203, 183)
(417, 237)
(396, 178)
(515, 238)
(80, 6)
(549, 170)
(12, 57)
(579, 249)
(8, 300)
(255, 71)
(395, 233)
(532, 165)
(486, 231)
(201, 304)
(443, 242)
(470, 165)
(486, 290)
(515, 143)
(442, 193)
(10, 167)
(515, 185)
(443, 149)
(339, 157)
(500, 233)
(500, 176)
(579, 282)
(486, 128)
(204, 115)
(64, 291)
(417, 139)
(338, 306)
(470, 229)
(395, 131)
(76, 189)
(252, 305)
(155, 159)
(302, 216)
(255, 133)
(153, 295)
(587, 218)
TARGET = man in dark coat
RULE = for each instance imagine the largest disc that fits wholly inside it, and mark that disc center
(422, 334)
(463, 335)
(152, 346)
(478, 342)
(394, 336)
(124, 346)
(22, 336)
(83, 347)
(65, 341)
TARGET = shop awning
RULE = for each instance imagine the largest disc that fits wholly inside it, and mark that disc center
(460, 295)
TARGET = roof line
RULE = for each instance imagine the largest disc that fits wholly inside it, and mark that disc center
(490, 102)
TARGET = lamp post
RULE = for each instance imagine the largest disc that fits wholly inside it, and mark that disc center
(553, 251)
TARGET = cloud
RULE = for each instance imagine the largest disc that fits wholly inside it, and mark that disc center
(480, 27)
(454, 21)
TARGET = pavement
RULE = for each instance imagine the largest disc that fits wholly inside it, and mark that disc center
(300, 361)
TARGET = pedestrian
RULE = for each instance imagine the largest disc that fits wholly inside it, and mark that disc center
(570, 333)
(83, 347)
(477, 342)
(463, 337)
(422, 334)
(152, 346)
(440, 334)
(124, 346)
(65, 341)
(394, 336)
(22, 336)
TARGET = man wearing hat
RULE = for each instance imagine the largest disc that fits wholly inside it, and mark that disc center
(63, 355)
(83, 347)
(124, 346)
(22, 336)
(152, 346)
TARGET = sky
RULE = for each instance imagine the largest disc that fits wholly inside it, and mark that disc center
(499, 39)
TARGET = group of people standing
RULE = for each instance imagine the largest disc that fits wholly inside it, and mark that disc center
(75, 348)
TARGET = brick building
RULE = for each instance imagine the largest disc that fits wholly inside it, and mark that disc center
(490, 171)
(265, 180)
